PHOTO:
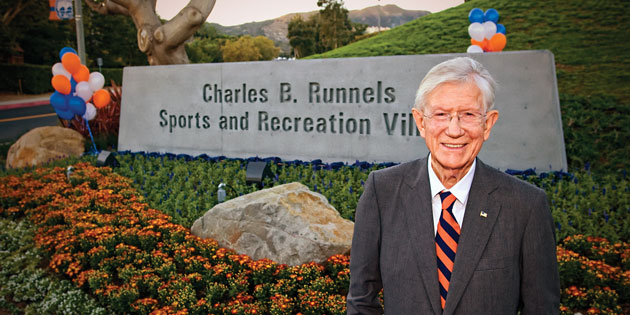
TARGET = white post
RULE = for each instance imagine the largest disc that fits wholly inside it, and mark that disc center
(78, 18)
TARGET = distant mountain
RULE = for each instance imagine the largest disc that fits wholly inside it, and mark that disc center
(390, 15)
(277, 29)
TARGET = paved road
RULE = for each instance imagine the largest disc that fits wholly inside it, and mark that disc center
(17, 119)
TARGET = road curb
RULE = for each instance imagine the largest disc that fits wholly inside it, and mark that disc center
(10, 105)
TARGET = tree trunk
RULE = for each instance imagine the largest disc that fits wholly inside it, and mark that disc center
(162, 43)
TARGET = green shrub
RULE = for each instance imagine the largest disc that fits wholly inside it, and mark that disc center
(595, 129)
(582, 202)
(27, 79)
(186, 188)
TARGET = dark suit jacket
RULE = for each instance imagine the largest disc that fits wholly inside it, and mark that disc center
(505, 261)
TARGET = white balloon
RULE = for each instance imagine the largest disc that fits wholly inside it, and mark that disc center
(476, 31)
(59, 69)
(489, 29)
(474, 49)
(97, 81)
(90, 111)
(84, 91)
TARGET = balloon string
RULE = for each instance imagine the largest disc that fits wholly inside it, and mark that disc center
(91, 137)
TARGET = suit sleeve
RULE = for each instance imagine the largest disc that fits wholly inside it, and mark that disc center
(540, 284)
(365, 276)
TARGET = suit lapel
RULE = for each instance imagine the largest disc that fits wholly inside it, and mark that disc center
(416, 204)
(475, 233)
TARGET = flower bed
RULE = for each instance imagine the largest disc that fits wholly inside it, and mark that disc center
(98, 231)
(594, 275)
(23, 283)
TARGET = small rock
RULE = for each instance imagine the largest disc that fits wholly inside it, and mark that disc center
(45, 144)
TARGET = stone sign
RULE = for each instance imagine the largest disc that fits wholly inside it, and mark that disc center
(332, 109)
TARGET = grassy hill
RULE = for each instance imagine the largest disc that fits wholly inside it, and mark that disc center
(590, 40)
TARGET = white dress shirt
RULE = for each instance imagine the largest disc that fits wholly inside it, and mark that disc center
(460, 190)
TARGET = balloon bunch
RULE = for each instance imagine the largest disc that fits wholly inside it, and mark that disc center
(75, 87)
(485, 32)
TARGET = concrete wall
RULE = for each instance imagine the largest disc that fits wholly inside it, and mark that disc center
(297, 109)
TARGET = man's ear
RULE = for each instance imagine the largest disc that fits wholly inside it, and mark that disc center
(491, 118)
(419, 118)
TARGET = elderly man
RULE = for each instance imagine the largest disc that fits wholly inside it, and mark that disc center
(448, 234)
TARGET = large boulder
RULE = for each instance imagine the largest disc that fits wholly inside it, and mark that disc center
(43, 145)
(288, 224)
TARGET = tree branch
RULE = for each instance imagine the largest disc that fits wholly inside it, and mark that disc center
(126, 3)
(107, 7)
(181, 27)
(11, 13)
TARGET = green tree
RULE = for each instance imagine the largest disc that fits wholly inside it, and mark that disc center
(247, 48)
(112, 38)
(8, 11)
(204, 50)
(335, 29)
(206, 45)
(207, 31)
(331, 28)
(25, 27)
(27, 30)
(266, 47)
(302, 36)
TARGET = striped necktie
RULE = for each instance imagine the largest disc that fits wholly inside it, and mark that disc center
(446, 240)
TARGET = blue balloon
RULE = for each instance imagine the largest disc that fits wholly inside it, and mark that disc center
(65, 50)
(475, 15)
(77, 105)
(64, 114)
(59, 101)
(73, 86)
(491, 15)
(501, 29)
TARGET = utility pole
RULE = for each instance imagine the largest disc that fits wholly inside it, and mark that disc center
(78, 18)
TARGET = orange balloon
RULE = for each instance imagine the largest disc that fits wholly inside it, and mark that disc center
(497, 42)
(101, 98)
(71, 62)
(485, 44)
(83, 74)
(61, 84)
(474, 42)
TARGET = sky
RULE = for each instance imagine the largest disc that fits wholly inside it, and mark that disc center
(235, 12)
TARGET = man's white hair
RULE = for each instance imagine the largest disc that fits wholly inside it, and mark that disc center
(457, 70)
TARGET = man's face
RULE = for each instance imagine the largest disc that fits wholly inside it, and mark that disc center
(454, 144)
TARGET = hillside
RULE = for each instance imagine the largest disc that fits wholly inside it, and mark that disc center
(390, 15)
(589, 40)
(276, 29)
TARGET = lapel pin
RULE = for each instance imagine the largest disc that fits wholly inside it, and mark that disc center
(483, 214)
